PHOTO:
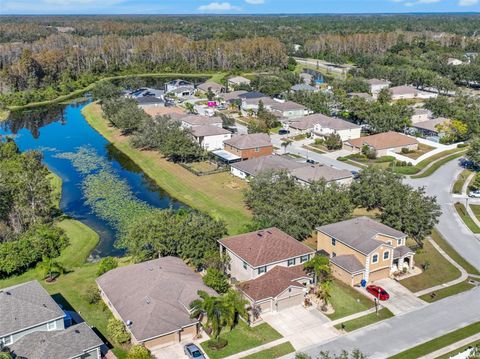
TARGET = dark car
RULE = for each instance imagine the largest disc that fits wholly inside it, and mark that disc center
(378, 292)
(311, 161)
(192, 351)
(283, 131)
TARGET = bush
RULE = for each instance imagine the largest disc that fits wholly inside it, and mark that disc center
(406, 150)
(333, 142)
(117, 331)
(385, 159)
(107, 264)
(217, 344)
(342, 159)
(462, 145)
(216, 280)
(139, 352)
(92, 294)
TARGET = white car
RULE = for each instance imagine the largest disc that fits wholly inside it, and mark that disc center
(474, 194)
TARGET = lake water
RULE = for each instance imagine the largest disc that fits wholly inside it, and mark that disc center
(59, 129)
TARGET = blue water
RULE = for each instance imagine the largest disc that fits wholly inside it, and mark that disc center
(54, 130)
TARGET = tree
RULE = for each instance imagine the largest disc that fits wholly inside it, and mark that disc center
(235, 308)
(324, 292)
(210, 94)
(333, 142)
(453, 131)
(473, 152)
(139, 352)
(106, 264)
(384, 96)
(211, 307)
(105, 90)
(285, 144)
(117, 331)
(217, 280)
(128, 117)
(320, 266)
(51, 268)
(190, 107)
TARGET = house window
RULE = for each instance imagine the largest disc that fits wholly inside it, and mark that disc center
(291, 262)
(375, 258)
(303, 258)
(51, 325)
(386, 255)
(245, 265)
(399, 242)
(334, 241)
(262, 270)
(257, 149)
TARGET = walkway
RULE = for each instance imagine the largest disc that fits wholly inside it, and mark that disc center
(257, 349)
(452, 347)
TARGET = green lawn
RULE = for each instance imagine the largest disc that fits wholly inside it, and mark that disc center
(346, 301)
(462, 212)
(476, 209)
(459, 350)
(439, 160)
(447, 292)
(462, 177)
(273, 352)
(242, 338)
(439, 270)
(439, 343)
(220, 195)
(422, 149)
(56, 183)
(368, 319)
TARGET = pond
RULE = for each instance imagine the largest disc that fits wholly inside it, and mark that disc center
(60, 130)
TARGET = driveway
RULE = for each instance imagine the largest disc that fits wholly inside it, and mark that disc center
(401, 299)
(172, 351)
(302, 327)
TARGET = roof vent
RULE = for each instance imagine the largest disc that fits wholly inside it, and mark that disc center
(147, 300)
(77, 331)
(8, 293)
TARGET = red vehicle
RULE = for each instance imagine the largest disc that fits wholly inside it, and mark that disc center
(378, 292)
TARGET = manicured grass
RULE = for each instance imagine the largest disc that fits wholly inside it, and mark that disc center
(437, 164)
(462, 212)
(220, 195)
(368, 319)
(476, 209)
(314, 148)
(422, 149)
(439, 343)
(56, 183)
(448, 291)
(459, 350)
(462, 177)
(439, 270)
(242, 338)
(437, 237)
(346, 301)
(273, 352)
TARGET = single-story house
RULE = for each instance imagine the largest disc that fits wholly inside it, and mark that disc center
(249, 146)
(173, 112)
(146, 102)
(145, 92)
(430, 128)
(232, 96)
(210, 137)
(364, 249)
(190, 121)
(254, 166)
(153, 299)
(303, 88)
(363, 95)
(420, 115)
(32, 325)
(216, 88)
(251, 103)
(409, 93)
(232, 82)
(311, 173)
(377, 85)
(184, 91)
(382, 143)
(287, 109)
(174, 86)
(322, 125)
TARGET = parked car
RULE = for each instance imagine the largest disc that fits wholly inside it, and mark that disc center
(355, 174)
(474, 194)
(311, 161)
(192, 351)
(378, 292)
(283, 131)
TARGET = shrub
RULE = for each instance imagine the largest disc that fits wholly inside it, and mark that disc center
(117, 331)
(462, 145)
(333, 142)
(216, 280)
(405, 150)
(342, 159)
(139, 352)
(107, 264)
(92, 294)
(217, 344)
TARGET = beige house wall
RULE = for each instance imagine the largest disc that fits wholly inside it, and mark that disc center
(382, 263)
(343, 275)
(165, 340)
(325, 242)
(379, 274)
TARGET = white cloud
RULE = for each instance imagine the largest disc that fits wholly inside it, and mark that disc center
(255, 2)
(468, 2)
(421, 2)
(218, 7)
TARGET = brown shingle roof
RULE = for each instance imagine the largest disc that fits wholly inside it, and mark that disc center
(286, 106)
(265, 246)
(208, 130)
(401, 251)
(403, 90)
(273, 283)
(253, 140)
(384, 140)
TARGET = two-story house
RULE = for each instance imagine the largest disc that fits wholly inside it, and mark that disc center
(32, 325)
(249, 146)
(362, 248)
(269, 266)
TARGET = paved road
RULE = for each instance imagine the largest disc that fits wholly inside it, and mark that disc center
(394, 335)
(451, 226)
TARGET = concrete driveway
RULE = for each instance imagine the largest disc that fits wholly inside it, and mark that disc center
(401, 299)
(302, 327)
(172, 351)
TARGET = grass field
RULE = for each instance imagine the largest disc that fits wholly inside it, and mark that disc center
(459, 350)
(448, 291)
(439, 343)
(437, 161)
(439, 270)
(368, 319)
(242, 338)
(346, 301)
(422, 149)
(274, 352)
(462, 212)
(462, 177)
(220, 195)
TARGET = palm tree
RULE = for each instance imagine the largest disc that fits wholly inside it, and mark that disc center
(234, 308)
(285, 144)
(190, 108)
(324, 292)
(320, 266)
(50, 268)
(210, 306)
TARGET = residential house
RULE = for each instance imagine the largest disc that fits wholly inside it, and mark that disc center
(254, 166)
(145, 92)
(364, 249)
(233, 96)
(303, 88)
(321, 125)
(270, 262)
(420, 115)
(216, 88)
(409, 93)
(173, 112)
(233, 82)
(180, 86)
(287, 109)
(249, 146)
(383, 143)
(153, 299)
(147, 102)
(310, 173)
(190, 121)
(363, 95)
(29, 317)
(210, 137)
(377, 85)
(432, 128)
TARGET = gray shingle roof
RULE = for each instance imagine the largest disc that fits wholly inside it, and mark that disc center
(208, 130)
(335, 123)
(273, 162)
(26, 305)
(198, 120)
(318, 172)
(154, 295)
(359, 233)
(62, 344)
(348, 262)
(252, 140)
(303, 87)
(431, 125)
(401, 251)
(210, 85)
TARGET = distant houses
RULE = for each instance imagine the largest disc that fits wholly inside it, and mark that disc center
(235, 81)
(382, 143)
(377, 85)
(409, 93)
(249, 146)
(321, 125)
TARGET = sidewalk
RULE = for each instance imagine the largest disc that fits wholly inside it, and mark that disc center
(257, 349)
(452, 347)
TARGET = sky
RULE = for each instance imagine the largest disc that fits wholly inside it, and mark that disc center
(233, 6)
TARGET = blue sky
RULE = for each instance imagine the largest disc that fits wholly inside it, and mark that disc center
(232, 6)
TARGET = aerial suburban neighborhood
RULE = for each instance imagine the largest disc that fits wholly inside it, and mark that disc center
(239, 181)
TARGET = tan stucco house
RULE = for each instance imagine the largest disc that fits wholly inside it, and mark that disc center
(383, 143)
(362, 248)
